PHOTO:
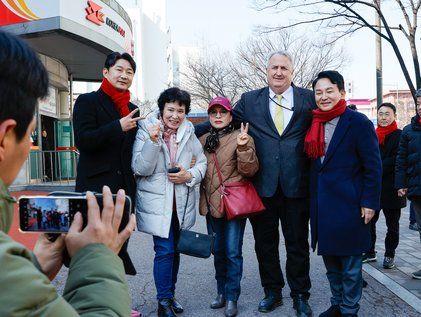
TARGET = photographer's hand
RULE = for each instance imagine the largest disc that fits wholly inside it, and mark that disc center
(49, 254)
(101, 227)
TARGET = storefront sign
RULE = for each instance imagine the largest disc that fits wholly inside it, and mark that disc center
(94, 14)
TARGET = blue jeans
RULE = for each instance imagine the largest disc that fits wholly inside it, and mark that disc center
(166, 262)
(228, 256)
(346, 282)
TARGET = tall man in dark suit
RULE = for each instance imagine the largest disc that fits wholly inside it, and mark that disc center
(105, 126)
(279, 116)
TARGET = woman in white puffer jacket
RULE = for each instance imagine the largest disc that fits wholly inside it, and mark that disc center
(166, 202)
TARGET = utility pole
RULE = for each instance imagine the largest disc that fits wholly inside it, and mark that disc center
(379, 63)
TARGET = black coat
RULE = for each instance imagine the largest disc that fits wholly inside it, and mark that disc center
(281, 157)
(408, 161)
(388, 152)
(105, 150)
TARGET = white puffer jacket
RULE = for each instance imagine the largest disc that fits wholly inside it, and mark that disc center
(154, 194)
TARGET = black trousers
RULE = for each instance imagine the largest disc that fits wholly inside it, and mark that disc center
(391, 242)
(294, 216)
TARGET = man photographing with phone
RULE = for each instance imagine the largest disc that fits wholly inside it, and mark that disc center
(96, 284)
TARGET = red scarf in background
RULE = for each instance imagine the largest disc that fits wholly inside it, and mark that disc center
(314, 142)
(383, 132)
(120, 99)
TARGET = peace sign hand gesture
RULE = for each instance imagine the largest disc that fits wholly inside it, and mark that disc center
(243, 138)
(128, 122)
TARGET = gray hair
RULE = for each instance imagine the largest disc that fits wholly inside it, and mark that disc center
(282, 53)
(418, 93)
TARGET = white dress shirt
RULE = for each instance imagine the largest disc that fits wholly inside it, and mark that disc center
(287, 101)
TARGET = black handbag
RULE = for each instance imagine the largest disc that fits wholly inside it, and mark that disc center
(199, 245)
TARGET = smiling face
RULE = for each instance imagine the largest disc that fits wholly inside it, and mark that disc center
(385, 116)
(327, 95)
(173, 114)
(219, 117)
(279, 73)
(120, 75)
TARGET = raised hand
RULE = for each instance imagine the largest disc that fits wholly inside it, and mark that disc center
(128, 122)
(243, 138)
(154, 131)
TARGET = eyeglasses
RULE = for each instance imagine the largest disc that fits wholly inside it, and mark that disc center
(222, 113)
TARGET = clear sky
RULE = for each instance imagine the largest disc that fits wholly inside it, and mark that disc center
(222, 25)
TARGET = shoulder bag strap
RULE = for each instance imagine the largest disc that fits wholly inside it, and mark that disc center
(185, 206)
(218, 170)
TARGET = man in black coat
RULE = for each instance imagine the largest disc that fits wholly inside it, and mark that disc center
(279, 117)
(408, 166)
(105, 126)
(391, 204)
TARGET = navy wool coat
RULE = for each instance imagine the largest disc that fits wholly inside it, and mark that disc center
(349, 178)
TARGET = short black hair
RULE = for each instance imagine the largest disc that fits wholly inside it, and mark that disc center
(352, 107)
(174, 94)
(334, 77)
(115, 56)
(388, 105)
(23, 79)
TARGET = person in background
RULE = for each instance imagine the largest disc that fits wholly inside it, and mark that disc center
(345, 188)
(412, 221)
(237, 160)
(408, 166)
(96, 284)
(391, 204)
(166, 199)
(352, 107)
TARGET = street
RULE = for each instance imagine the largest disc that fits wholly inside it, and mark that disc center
(196, 285)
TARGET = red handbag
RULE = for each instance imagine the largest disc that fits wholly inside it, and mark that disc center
(238, 199)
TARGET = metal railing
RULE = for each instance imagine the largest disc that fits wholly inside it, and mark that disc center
(51, 167)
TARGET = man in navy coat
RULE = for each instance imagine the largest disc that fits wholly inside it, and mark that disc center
(345, 187)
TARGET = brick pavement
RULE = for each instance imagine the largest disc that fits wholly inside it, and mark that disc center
(407, 259)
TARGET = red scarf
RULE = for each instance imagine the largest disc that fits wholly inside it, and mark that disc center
(119, 98)
(314, 142)
(383, 132)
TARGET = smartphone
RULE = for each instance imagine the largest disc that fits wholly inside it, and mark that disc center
(54, 214)
(173, 170)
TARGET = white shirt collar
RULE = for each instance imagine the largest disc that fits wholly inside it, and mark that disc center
(287, 94)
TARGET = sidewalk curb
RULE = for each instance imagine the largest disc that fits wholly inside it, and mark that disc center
(394, 287)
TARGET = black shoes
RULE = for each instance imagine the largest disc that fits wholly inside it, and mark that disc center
(176, 306)
(333, 311)
(218, 302)
(231, 309)
(369, 257)
(301, 306)
(270, 302)
(165, 308)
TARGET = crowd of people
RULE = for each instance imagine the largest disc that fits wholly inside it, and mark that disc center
(310, 158)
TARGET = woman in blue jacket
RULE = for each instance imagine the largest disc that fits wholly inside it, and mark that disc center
(345, 184)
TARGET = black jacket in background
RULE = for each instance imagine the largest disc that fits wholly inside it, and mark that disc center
(408, 161)
(388, 152)
(105, 150)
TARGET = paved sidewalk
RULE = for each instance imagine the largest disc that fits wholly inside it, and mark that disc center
(384, 297)
(407, 259)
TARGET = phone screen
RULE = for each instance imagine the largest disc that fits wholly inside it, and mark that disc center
(49, 214)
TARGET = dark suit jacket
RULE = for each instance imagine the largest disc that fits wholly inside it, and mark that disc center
(105, 150)
(388, 152)
(349, 178)
(281, 157)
